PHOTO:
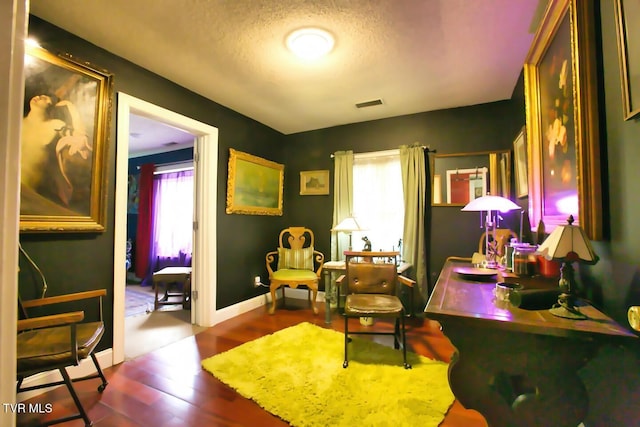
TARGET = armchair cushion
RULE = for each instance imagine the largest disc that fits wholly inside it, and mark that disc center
(372, 305)
(299, 259)
(44, 347)
(291, 275)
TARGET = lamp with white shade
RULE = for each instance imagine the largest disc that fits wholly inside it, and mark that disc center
(491, 205)
(348, 225)
(568, 243)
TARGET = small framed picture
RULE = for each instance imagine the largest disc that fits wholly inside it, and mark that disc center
(314, 182)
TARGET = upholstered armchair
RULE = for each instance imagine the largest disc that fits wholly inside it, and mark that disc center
(370, 284)
(294, 263)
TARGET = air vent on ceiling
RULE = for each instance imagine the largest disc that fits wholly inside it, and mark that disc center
(169, 144)
(371, 103)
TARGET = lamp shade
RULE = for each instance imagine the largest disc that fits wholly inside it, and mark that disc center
(347, 225)
(491, 203)
(568, 242)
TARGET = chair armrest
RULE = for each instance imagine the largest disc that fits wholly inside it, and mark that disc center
(270, 258)
(406, 281)
(64, 298)
(340, 281)
(59, 299)
(319, 259)
(49, 321)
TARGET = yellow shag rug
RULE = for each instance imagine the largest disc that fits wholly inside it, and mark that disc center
(297, 374)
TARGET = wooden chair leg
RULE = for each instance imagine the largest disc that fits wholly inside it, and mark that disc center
(314, 292)
(346, 342)
(273, 288)
(396, 334)
(404, 342)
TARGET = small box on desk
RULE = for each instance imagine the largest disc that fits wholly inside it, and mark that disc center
(537, 292)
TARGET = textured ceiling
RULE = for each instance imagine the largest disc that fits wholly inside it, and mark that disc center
(416, 55)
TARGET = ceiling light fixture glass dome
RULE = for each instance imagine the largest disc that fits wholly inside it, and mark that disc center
(310, 43)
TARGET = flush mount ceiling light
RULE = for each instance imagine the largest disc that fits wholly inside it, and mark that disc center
(310, 43)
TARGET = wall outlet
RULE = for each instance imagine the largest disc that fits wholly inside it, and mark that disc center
(257, 281)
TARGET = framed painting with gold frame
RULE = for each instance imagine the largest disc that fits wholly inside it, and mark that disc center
(254, 185)
(314, 182)
(64, 144)
(562, 119)
(628, 32)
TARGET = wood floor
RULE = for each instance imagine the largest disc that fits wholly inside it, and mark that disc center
(168, 388)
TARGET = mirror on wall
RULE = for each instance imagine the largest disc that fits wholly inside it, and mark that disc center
(459, 178)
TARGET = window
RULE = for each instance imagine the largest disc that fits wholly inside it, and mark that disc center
(174, 213)
(377, 199)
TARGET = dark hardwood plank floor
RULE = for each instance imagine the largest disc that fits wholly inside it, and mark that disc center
(168, 388)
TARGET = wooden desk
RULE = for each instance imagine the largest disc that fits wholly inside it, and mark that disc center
(517, 367)
(167, 276)
(331, 294)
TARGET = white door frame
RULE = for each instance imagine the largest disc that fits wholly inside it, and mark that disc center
(13, 32)
(204, 245)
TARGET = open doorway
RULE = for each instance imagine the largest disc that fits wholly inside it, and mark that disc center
(159, 234)
(205, 147)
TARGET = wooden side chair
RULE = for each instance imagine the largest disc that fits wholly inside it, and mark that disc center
(294, 263)
(55, 342)
(370, 288)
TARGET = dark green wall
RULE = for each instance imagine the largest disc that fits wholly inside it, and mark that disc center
(491, 126)
(74, 262)
(619, 269)
(613, 378)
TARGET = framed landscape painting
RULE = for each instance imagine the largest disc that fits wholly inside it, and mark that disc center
(64, 144)
(562, 119)
(254, 185)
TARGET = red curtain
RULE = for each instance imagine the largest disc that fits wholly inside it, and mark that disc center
(145, 210)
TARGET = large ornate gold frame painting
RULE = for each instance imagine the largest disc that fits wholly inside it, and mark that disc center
(65, 128)
(254, 185)
(562, 119)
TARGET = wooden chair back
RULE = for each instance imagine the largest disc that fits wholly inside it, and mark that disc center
(296, 238)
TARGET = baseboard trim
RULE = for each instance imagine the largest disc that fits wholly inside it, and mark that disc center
(255, 302)
(300, 294)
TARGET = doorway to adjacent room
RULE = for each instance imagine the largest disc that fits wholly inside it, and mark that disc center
(204, 246)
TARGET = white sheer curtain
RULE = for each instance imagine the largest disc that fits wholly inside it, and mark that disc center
(377, 199)
(342, 200)
(173, 211)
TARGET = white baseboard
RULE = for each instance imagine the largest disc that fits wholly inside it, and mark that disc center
(240, 308)
(255, 302)
(300, 294)
(105, 357)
